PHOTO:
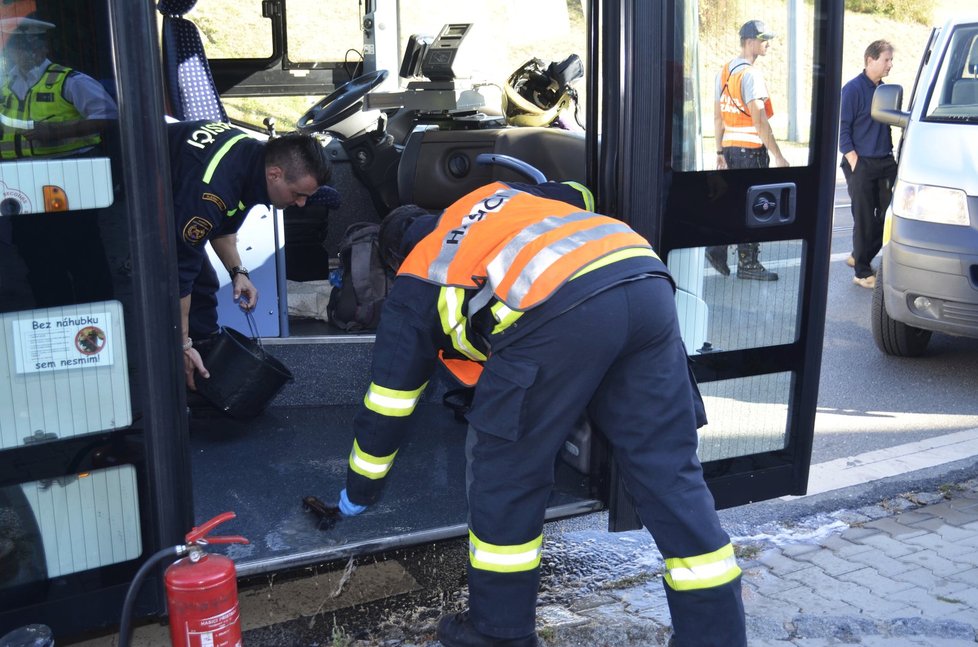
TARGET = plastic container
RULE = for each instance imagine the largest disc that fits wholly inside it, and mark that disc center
(244, 377)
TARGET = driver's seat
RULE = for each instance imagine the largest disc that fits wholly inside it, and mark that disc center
(190, 90)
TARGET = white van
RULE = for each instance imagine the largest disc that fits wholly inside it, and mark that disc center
(928, 278)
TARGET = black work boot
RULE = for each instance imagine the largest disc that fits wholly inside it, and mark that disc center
(717, 256)
(456, 630)
(748, 267)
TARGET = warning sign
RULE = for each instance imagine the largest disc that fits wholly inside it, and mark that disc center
(60, 343)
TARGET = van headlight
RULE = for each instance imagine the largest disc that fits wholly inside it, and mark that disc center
(930, 203)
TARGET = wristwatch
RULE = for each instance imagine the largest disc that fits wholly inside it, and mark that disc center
(239, 269)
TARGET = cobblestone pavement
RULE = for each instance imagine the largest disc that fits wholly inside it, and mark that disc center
(902, 572)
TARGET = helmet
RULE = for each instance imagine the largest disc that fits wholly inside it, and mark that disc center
(536, 93)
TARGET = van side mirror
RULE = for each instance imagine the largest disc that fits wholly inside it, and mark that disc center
(886, 106)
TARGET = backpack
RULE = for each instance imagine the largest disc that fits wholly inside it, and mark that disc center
(355, 304)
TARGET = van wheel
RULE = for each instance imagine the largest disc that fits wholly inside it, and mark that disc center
(891, 336)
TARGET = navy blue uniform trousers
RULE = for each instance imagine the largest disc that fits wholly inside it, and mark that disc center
(618, 355)
(202, 318)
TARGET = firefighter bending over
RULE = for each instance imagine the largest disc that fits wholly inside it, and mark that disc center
(579, 315)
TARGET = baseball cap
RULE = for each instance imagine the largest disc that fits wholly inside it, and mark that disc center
(756, 29)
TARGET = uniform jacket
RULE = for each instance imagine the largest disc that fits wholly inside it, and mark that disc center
(218, 174)
(429, 314)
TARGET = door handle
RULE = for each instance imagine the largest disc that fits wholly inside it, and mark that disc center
(771, 205)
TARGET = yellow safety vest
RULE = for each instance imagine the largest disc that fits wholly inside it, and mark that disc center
(44, 102)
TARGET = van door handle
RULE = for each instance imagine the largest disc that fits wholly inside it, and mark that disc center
(770, 205)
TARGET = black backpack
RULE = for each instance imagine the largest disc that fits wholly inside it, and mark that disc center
(356, 303)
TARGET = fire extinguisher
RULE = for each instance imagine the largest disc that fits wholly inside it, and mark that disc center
(201, 591)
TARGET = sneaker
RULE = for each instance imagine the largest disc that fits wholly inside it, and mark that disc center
(868, 282)
(457, 631)
(754, 271)
(717, 256)
(851, 261)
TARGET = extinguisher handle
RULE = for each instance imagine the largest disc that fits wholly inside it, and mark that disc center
(200, 532)
(228, 539)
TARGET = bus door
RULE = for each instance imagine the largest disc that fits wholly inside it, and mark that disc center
(752, 316)
(88, 353)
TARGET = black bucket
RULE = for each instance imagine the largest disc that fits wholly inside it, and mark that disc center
(244, 378)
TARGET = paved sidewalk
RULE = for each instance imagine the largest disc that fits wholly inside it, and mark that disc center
(903, 572)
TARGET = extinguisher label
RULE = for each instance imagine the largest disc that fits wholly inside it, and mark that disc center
(222, 630)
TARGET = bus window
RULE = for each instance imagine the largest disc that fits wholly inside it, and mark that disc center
(721, 312)
(71, 523)
(497, 45)
(785, 65)
(59, 121)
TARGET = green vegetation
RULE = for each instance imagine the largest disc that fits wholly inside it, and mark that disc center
(903, 10)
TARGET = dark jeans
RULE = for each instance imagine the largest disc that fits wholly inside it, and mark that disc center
(737, 157)
(870, 191)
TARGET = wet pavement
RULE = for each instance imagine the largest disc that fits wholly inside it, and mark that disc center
(903, 571)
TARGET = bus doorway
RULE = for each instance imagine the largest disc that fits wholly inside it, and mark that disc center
(101, 464)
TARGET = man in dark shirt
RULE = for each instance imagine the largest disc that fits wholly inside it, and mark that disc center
(867, 161)
(219, 172)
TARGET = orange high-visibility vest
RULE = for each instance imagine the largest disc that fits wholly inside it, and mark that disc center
(738, 127)
(514, 246)
(520, 246)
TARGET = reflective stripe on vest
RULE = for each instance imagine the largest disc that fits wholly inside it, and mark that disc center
(450, 302)
(738, 126)
(504, 559)
(391, 402)
(219, 155)
(58, 109)
(372, 467)
(585, 192)
(504, 316)
(524, 246)
(702, 571)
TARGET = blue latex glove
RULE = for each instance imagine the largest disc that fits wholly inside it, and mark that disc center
(347, 507)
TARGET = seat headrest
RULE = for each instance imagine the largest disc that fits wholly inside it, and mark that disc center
(175, 7)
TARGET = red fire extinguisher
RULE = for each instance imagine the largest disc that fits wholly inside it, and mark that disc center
(202, 592)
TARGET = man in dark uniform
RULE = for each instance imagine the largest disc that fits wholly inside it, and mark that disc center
(219, 172)
(550, 311)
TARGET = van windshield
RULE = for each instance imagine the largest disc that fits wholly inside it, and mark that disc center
(954, 95)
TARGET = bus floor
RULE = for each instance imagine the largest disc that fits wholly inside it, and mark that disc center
(262, 469)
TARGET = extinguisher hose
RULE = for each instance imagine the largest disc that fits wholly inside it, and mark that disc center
(125, 624)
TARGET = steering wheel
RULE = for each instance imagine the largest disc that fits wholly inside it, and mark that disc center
(346, 100)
